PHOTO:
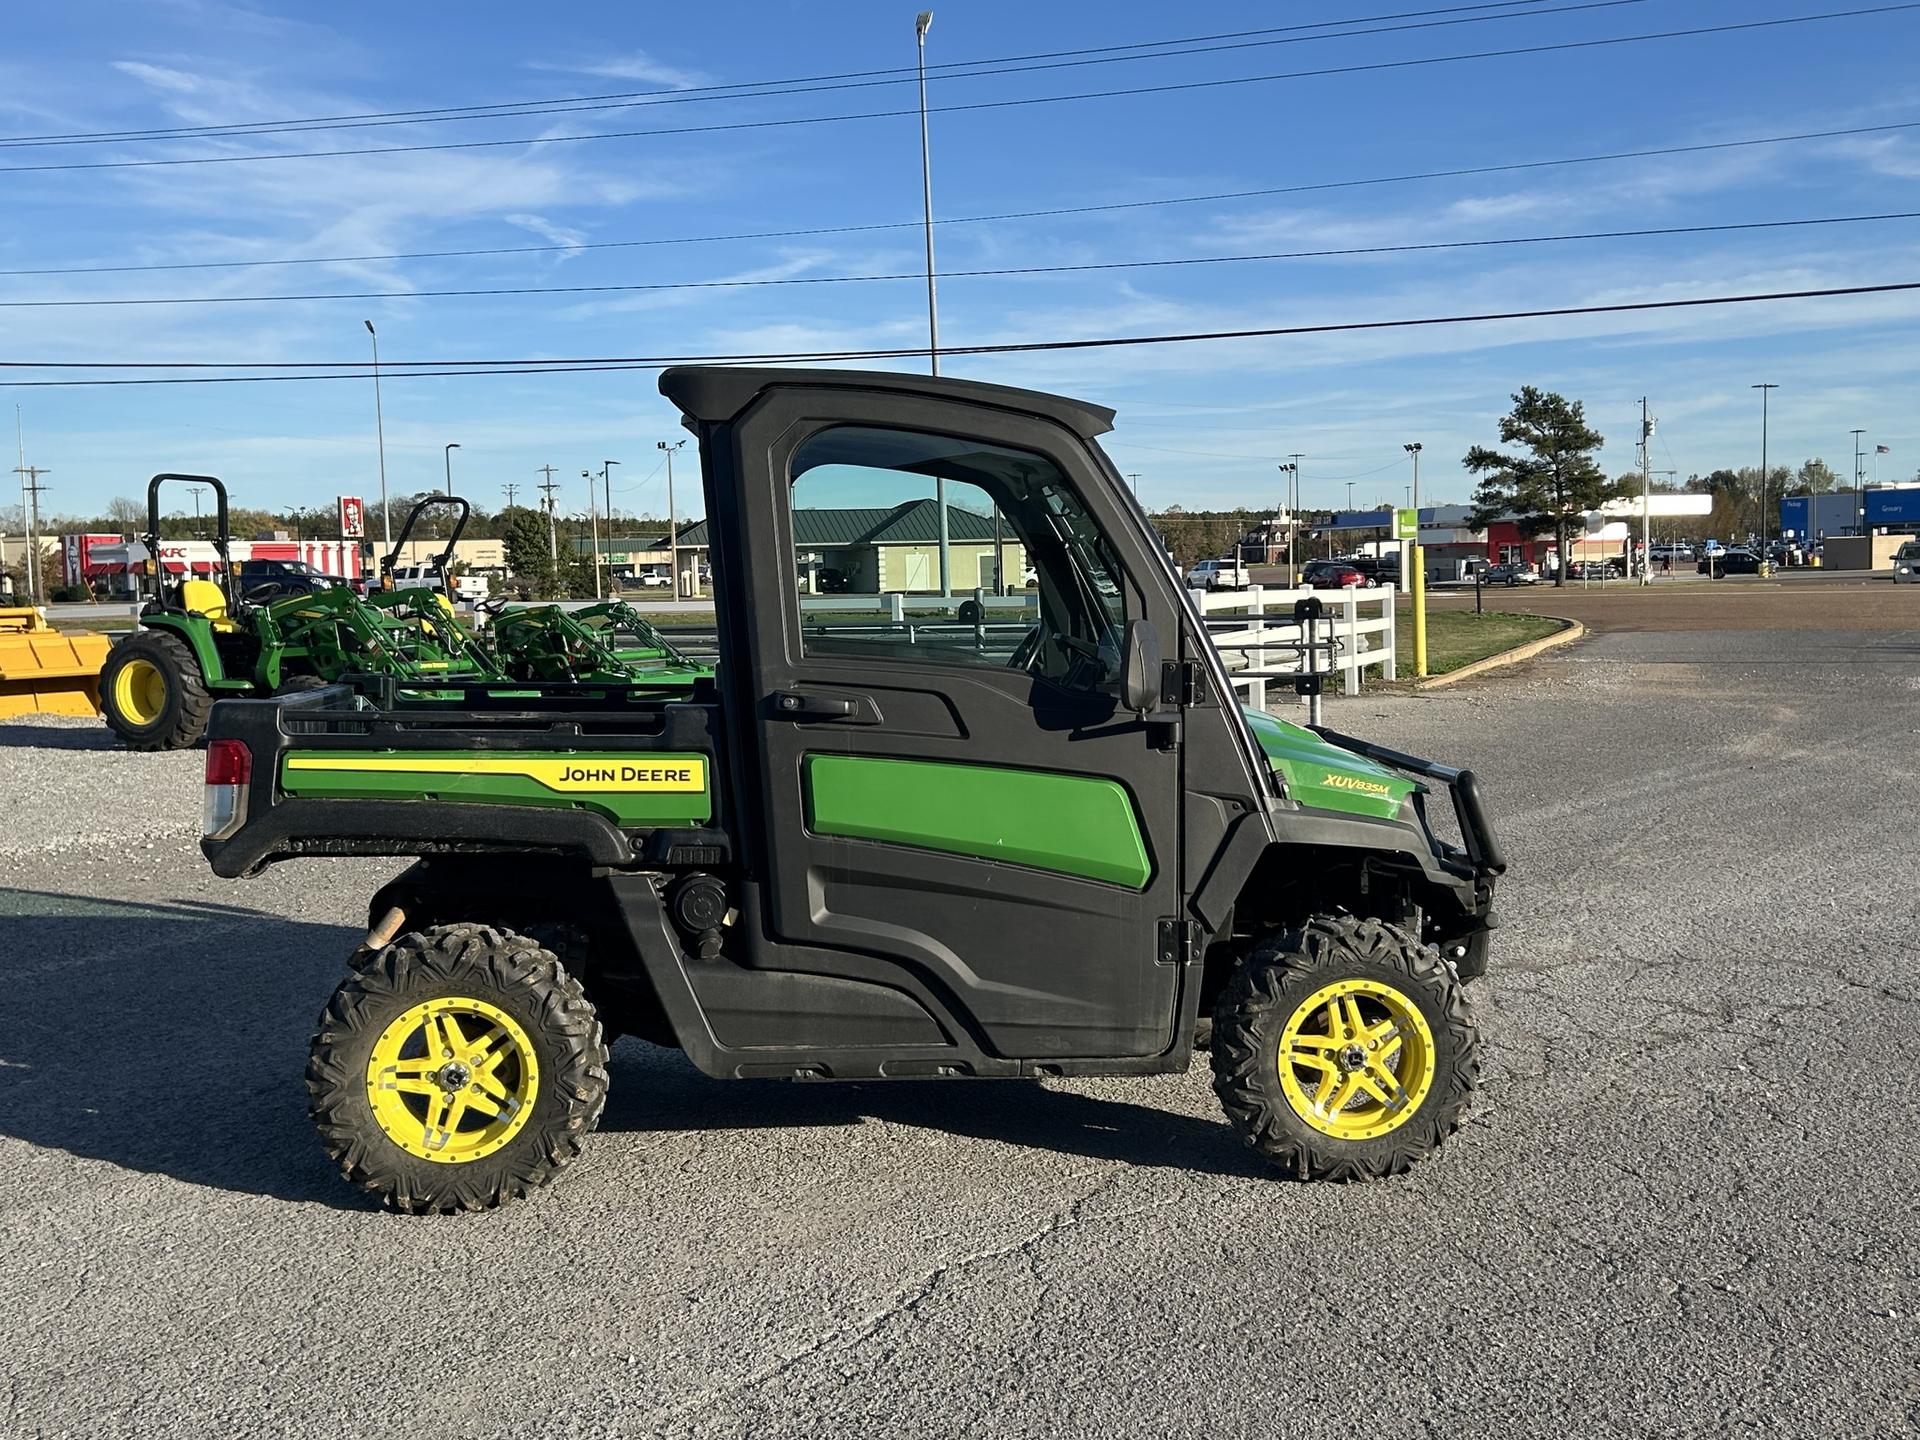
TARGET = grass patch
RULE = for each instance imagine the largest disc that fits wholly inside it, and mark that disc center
(1456, 638)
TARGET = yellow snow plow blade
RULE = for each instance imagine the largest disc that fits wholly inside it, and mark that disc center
(44, 671)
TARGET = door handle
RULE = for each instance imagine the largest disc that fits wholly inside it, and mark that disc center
(789, 705)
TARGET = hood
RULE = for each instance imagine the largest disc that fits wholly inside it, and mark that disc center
(1325, 776)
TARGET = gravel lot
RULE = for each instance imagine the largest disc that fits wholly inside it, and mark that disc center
(1686, 1205)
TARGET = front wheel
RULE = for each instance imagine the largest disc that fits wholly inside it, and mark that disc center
(458, 1068)
(1344, 1050)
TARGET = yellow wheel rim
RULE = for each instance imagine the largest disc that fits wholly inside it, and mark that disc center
(452, 1080)
(140, 692)
(1356, 1059)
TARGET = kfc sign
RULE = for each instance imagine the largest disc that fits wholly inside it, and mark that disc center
(353, 518)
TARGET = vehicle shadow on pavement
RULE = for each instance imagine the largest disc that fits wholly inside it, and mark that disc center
(30, 736)
(659, 1090)
(167, 1039)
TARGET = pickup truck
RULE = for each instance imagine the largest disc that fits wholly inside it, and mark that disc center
(861, 849)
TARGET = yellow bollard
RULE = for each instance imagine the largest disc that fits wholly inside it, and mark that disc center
(1419, 612)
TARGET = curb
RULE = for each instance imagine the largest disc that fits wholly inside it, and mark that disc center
(1573, 631)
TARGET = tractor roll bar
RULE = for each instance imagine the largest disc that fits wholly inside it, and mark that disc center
(427, 502)
(222, 535)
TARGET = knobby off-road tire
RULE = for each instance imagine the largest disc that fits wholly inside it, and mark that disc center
(299, 684)
(429, 1118)
(153, 694)
(1311, 1009)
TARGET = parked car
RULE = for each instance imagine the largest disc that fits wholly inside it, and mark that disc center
(655, 580)
(1217, 575)
(1906, 564)
(465, 587)
(1379, 569)
(1511, 572)
(1739, 561)
(1593, 570)
(1336, 575)
(292, 577)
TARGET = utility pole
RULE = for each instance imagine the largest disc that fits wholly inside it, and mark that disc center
(1859, 493)
(1419, 569)
(1646, 495)
(553, 541)
(1766, 560)
(673, 521)
(1133, 478)
(29, 492)
(510, 488)
(30, 489)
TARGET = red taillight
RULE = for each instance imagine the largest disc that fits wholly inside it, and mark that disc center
(229, 762)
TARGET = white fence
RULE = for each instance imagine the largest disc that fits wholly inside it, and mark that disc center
(1359, 622)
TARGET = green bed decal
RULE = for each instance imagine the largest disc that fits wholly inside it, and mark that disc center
(632, 788)
(1325, 776)
(1070, 824)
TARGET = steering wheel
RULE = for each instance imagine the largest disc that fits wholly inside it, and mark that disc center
(1027, 651)
(260, 594)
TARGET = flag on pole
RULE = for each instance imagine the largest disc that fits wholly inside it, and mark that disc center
(1883, 449)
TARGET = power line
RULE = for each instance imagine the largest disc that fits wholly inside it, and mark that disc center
(996, 271)
(823, 357)
(809, 85)
(1457, 172)
(1129, 91)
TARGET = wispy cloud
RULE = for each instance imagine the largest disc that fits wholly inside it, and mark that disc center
(634, 65)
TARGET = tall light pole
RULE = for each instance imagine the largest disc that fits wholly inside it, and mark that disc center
(673, 524)
(920, 26)
(1286, 468)
(447, 455)
(593, 532)
(380, 434)
(1766, 560)
(606, 483)
(1646, 494)
(1859, 493)
(1419, 566)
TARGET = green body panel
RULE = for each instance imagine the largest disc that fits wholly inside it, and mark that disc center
(489, 778)
(1325, 776)
(196, 633)
(1071, 824)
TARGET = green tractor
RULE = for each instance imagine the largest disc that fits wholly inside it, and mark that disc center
(200, 640)
(605, 643)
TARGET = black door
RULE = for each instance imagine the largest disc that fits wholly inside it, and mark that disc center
(949, 789)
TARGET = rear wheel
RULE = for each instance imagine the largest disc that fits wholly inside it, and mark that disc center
(1344, 1050)
(153, 693)
(458, 1068)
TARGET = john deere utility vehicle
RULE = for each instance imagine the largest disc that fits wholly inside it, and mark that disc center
(871, 849)
(199, 640)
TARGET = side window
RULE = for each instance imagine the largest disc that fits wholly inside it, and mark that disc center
(927, 548)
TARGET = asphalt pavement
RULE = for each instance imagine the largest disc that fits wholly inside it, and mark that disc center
(1686, 1204)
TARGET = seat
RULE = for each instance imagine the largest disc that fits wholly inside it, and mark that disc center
(206, 599)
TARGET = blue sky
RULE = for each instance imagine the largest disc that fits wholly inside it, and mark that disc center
(1201, 424)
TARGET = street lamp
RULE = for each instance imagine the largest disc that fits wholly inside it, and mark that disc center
(447, 455)
(1859, 494)
(380, 433)
(1289, 469)
(1766, 563)
(606, 482)
(673, 524)
(1419, 569)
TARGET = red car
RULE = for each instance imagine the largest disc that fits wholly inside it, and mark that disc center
(1336, 577)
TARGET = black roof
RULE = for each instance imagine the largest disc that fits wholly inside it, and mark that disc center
(717, 393)
(913, 522)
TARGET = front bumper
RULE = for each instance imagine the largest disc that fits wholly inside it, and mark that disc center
(1478, 856)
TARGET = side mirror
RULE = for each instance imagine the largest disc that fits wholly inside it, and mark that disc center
(1140, 668)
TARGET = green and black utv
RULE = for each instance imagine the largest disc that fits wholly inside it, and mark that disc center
(199, 640)
(871, 848)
